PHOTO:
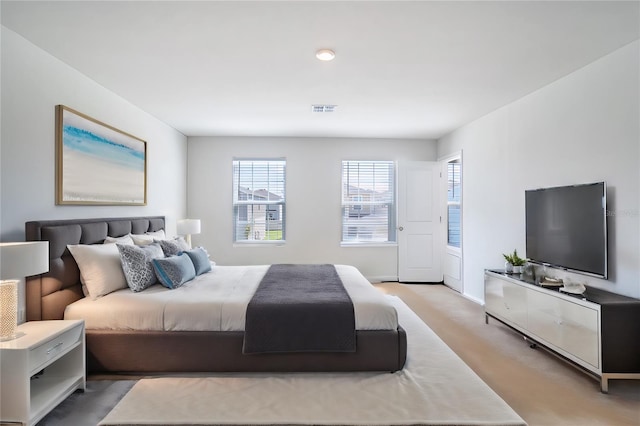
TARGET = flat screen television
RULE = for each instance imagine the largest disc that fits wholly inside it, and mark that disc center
(566, 227)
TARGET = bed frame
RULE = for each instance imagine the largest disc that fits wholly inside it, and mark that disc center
(48, 295)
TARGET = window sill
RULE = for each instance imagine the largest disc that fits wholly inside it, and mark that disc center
(393, 244)
(259, 244)
(454, 249)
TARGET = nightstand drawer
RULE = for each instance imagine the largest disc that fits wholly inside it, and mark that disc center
(51, 349)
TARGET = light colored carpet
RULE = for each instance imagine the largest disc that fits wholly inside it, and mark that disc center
(541, 388)
(435, 388)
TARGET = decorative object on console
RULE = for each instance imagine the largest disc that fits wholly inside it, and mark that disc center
(573, 288)
(551, 282)
(17, 261)
(513, 263)
(187, 227)
(97, 163)
(529, 271)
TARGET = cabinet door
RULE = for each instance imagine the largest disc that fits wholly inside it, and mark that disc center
(506, 300)
(567, 325)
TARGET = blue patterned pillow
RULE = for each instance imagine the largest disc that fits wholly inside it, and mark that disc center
(175, 270)
(173, 247)
(200, 260)
(137, 266)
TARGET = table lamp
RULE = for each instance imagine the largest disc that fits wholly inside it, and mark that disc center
(17, 261)
(187, 227)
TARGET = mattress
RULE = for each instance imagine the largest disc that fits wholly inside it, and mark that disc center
(215, 301)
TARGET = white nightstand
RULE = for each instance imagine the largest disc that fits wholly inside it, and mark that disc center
(39, 369)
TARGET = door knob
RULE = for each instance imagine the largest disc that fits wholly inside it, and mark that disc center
(400, 228)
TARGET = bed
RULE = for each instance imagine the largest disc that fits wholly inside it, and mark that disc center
(178, 349)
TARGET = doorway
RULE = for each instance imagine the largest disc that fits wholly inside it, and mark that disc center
(451, 172)
(419, 228)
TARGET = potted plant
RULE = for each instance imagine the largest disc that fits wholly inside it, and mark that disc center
(514, 263)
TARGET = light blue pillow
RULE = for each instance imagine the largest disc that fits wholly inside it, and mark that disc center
(136, 264)
(175, 270)
(200, 260)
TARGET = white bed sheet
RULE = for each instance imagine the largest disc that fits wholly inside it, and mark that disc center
(215, 301)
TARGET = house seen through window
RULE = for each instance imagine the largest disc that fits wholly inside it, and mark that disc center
(368, 202)
(259, 200)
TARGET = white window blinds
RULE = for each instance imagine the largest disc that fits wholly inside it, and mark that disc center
(259, 200)
(368, 202)
(454, 197)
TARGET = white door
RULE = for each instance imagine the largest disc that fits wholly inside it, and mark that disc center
(419, 244)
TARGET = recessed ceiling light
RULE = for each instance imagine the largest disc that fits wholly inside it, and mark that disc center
(325, 54)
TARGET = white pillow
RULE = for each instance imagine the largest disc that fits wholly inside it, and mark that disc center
(125, 239)
(141, 239)
(100, 268)
(148, 237)
(158, 235)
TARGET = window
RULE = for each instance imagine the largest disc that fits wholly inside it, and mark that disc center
(368, 202)
(259, 200)
(454, 197)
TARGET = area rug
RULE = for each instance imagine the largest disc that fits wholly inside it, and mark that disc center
(435, 388)
(88, 407)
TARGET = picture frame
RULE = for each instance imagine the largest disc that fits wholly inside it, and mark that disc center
(97, 164)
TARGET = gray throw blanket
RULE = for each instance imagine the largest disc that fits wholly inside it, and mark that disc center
(300, 308)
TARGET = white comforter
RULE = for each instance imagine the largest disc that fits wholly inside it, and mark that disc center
(215, 301)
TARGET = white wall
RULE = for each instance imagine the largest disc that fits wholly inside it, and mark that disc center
(313, 198)
(33, 83)
(582, 128)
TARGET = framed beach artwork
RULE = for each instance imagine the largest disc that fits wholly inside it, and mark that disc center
(97, 163)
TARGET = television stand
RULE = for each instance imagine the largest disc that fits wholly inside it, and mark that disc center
(597, 331)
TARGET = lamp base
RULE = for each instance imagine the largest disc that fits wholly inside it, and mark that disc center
(8, 309)
(11, 337)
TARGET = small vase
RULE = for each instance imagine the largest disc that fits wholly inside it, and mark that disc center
(517, 269)
(508, 268)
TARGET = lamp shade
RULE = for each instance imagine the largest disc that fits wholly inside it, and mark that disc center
(23, 259)
(188, 226)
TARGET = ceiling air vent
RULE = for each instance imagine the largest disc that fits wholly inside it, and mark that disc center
(323, 108)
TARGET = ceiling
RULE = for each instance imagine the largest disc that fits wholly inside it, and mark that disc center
(416, 69)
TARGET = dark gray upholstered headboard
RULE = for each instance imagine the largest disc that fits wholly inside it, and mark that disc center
(47, 295)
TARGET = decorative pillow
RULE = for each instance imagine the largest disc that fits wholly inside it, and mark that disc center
(173, 247)
(137, 266)
(158, 235)
(141, 239)
(125, 239)
(200, 260)
(174, 271)
(100, 268)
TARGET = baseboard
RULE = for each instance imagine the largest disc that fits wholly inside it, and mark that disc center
(473, 299)
(382, 279)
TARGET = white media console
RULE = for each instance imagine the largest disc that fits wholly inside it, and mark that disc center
(599, 331)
